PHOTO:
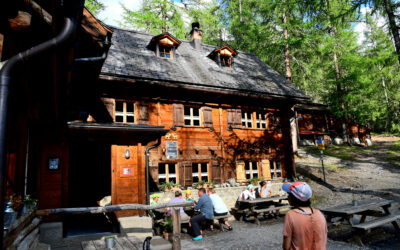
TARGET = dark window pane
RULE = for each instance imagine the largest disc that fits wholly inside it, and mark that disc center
(130, 107)
(119, 118)
(161, 168)
(195, 112)
(162, 180)
(264, 125)
(258, 124)
(249, 125)
(243, 115)
(255, 174)
(168, 55)
(204, 168)
(119, 106)
(204, 178)
(187, 111)
(254, 166)
(195, 179)
(172, 179)
(195, 168)
(247, 165)
(248, 176)
(187, 122)
(243, 124)
(171, 168)
(130, 119)
(196, 122)
(162, 54)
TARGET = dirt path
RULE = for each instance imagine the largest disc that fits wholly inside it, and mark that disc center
(370, 176)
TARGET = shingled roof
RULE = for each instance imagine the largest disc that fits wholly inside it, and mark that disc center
(129, 58)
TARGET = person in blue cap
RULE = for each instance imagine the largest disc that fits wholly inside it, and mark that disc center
(305, 227)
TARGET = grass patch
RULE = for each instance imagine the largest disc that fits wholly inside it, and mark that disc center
(343, 152)
(317, 199)
(334, 167)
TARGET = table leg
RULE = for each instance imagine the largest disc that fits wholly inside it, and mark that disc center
(386, 209)
(348, 219)
(396, 226)
(363, 217)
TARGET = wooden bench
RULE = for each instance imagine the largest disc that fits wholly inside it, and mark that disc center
(379, 222)
(222, 218)
(264, 210)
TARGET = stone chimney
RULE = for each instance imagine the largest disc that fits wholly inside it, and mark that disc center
(196, 36)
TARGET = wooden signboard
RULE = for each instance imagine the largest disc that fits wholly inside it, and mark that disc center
(172, 149)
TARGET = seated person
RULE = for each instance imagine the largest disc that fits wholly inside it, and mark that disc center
(157, 213)
(155, 198)
(178, 198)
(263, 190)
(219, 206)
(188, 198)
(247, 194)
(206, 213)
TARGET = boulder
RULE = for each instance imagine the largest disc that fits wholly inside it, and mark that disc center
(337, 141)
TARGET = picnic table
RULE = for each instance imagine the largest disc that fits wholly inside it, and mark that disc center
(378, 208)
(260, 207)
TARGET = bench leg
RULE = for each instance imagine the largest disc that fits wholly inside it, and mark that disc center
(363, 217)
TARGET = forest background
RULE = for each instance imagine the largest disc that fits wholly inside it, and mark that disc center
(311, 42)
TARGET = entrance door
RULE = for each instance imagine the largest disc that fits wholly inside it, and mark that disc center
(128, 177)
(89, 174)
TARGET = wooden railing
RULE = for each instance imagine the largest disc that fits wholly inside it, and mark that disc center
(176, 238)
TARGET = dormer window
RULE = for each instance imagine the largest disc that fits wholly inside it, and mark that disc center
(224, 56)
(164, 45)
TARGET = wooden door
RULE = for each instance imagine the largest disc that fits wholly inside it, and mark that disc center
(266, 169)
(128, 178)
(188, 174)
(216, 172)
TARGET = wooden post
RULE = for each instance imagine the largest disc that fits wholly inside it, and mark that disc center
(176, 222)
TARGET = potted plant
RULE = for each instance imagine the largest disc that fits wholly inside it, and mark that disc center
(255, 181)
(29, 203)
(110, 241)
(165, 187)
(211, 184)
(174, 186)
(167, 228)
(200, 184)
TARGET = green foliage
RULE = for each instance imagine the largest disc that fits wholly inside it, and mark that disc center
(255, 181)
(166, 186)
(94, 6)
(167, 224)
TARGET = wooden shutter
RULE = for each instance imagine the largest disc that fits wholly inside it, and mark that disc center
(181, 174)
(216, 172)
(207, 117)
(143, 113)
(230, 118)
(240, 172)
(109, 104)
(266, 170)
(178, 114)
(188, 174)
(238, 118)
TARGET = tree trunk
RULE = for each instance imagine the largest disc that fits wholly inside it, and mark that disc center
(393, 28)
(389, 114)
(287, 50)
(340, 93)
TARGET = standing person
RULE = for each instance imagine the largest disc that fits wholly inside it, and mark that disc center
(305, 227)
(219, 206)
(178, 199)
(206, 213)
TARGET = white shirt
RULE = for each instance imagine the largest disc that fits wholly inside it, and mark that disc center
(246, 194)
(218, 204)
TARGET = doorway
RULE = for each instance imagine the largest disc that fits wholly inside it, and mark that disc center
(89, 181)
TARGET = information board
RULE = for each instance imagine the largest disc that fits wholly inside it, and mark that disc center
(172, 149)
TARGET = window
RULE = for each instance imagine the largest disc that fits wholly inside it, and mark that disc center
(275, 167)
(124, 112)
(165, 52)
(166, 172)
(200, 172)
(226, 61)
(192, 116)
(251, 169)
(246, 120)
(261, 120)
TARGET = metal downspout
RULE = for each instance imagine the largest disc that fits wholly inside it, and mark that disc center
(147, 168)
(6, 77)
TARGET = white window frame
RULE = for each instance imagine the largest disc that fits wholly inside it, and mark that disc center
(246, 119)
(201, 174)
(260, 123)
(251, 171)
(276, 170)
(167, 175)
(191, 117)
(124, 113)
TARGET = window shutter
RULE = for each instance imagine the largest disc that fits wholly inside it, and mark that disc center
(109, 104)
(266, 170)
(207, 117)
(216, 172)
(188, 174)
(178, 114)
(181, 174)
(240, 172)
(143, 113)
(230, 118)
(238, 118)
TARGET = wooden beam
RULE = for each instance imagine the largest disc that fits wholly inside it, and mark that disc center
(40, 11)
(176, 222)
(111, 208)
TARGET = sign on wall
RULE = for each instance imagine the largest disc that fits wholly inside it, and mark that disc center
(172, 150)
(126, 172)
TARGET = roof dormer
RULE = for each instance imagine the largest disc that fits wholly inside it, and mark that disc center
(224, 55)
(164, 45)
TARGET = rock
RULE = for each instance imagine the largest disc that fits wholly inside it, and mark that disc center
(232, 181)
(228, 185)
(307, 143)
(217, 186)
(237, 185)
(337, 141)
(369, 142)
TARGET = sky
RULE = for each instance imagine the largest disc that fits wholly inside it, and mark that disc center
(112, 15)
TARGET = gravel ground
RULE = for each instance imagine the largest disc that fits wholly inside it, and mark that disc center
(370, 177)
(247, 235)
